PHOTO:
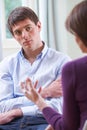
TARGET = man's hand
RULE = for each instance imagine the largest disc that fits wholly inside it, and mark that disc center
(53, 90)
(49, 127)
(10, 115)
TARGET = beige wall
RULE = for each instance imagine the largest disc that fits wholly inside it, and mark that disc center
(72, 48)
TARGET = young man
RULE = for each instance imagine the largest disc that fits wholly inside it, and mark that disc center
(36, 61)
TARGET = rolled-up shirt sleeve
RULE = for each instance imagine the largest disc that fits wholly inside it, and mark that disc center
(55, 103)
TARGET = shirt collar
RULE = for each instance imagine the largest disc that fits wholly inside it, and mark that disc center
(44, 51)
(41, 55)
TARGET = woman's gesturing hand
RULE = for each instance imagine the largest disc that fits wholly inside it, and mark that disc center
(29, 89)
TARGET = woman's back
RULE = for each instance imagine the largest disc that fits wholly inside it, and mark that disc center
(75, 93)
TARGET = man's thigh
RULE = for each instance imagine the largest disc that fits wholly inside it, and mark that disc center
(27, 127)
(33, 123)
(13, 125)
(26, 123)
(34, 127)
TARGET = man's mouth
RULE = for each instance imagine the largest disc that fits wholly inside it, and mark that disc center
(27, 42)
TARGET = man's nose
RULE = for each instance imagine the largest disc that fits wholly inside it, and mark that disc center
(25, 34)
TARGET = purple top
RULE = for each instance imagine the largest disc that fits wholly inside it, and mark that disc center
(74, 79)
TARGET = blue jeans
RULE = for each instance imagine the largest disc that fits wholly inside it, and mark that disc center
(26, 123)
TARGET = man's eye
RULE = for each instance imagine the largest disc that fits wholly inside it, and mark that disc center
(28, 28)
(18, 33)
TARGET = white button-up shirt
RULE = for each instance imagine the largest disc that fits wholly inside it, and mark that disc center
(13, 69)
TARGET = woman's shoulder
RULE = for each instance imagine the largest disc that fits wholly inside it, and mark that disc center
(75, 63)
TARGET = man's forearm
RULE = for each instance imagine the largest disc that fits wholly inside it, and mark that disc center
(46, 92)
(53, 90)
(13, 103)
(17, 112)
(10, 115)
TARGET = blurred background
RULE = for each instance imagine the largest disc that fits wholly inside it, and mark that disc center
(52, 14)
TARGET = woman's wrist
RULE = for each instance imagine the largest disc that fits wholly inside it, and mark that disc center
(41, 103)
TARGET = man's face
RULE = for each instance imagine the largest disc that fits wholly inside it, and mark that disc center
(27, 34)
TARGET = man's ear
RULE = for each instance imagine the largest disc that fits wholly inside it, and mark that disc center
(39, 25)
